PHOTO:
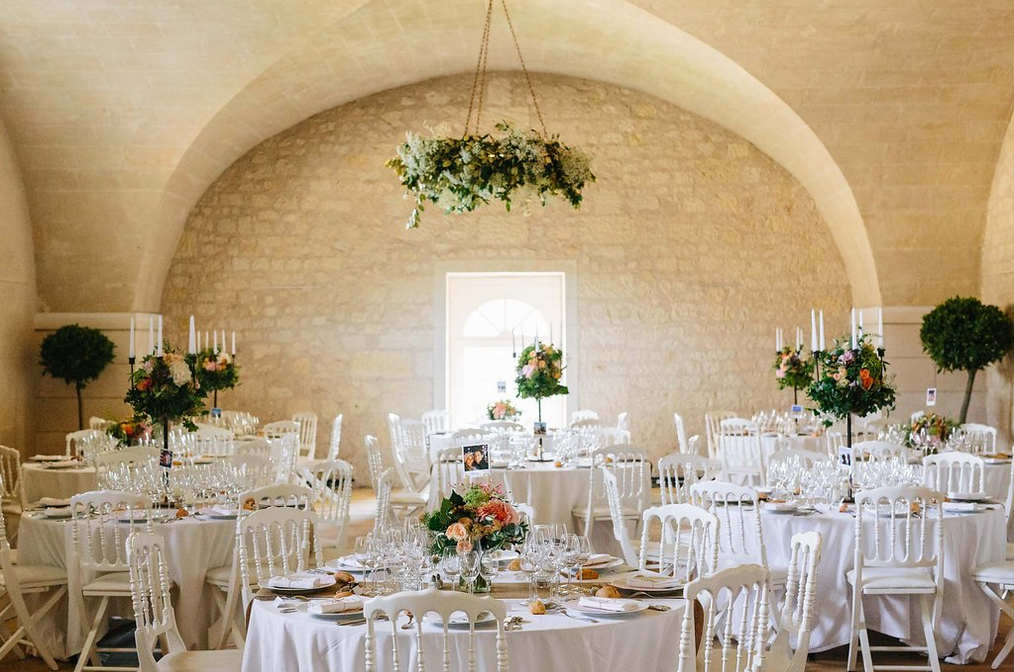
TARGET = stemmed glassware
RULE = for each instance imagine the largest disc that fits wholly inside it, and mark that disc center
(470, 568)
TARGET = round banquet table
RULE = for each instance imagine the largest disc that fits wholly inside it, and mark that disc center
(648, 641)
(38, 481)
(193, 545)
(968, 620)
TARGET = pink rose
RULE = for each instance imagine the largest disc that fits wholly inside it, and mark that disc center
(464, 546)
(457, 532)
(210, 365)
(497, 509)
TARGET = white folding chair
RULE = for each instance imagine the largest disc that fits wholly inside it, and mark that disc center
(334, 447)
(896, 555)
(712, 423)
(955, 473)
(307, 422)
(678, 471)
(331, 482)
(419, 603)
(981, 437)
(101, 521)
(155, 618)
(435, 421)
(16, 581)
(795, 619)
(632, 471)
(740, 639)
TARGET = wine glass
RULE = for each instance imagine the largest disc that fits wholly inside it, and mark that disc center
(469, 561)
(490, 565)
(450, 567)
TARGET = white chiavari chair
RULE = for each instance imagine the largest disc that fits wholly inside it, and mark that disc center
(277, 541)
(420, 603)
(331, 482)
(47, 584)
(981, 438)
(384, 514)
(678, 471)
(899, 551)
(623, 422)
(334, 447)
(448, 472)
(955, 473)
(682, 445)
(374, 459)
(284, 455)
(712, 423)
(729, 642)
(254, 446)
(435, 420)
(795, 619)
(741, 452)
(1009, 508)
(632, 471)
(100, 523)
(411, 455)
(10, 481)
(587, 436)
(212, 441)
(155, 618)
(279, 428)
(307, 421)
(277, 494)
(251, 470)
(582, 415)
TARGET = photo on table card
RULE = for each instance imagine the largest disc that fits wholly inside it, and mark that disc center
(931, 396)
(475, 458)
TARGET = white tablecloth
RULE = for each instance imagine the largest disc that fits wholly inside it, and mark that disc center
(193, 547)
(38, 482)
(968, 621)
(646, 642)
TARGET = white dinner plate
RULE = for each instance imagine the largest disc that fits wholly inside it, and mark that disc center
(575, 605)
(328, 582)
(781, 507)
(613, 563)
(47, 458)
(57, 512)
(663, 587)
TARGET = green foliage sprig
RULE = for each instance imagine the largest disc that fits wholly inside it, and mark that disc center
(77, 355)
(539, 371)
(963, 334)
(214, 370)
(792, 369)
(460, 174)
(852, 380)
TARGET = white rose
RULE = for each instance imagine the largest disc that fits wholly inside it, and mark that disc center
(180, 372)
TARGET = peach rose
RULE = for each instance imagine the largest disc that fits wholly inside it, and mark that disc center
(464, 546)
(457, 532)
(499, 510)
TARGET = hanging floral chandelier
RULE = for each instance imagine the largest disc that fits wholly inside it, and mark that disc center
(460, 174)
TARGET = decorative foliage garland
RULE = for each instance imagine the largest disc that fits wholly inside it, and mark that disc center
(792, 369)
(539, 370)
(478, 516)
(459, 174)
(131, 431)
(502, 410)
(852, 381)
(166, 390)
(937, 427)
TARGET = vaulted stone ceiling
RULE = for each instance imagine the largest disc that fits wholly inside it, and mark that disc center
(122, 113)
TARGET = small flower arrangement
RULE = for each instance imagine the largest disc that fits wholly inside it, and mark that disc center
(539, 370)
(165, 389)
(131, 431)
(852, 381)
(937, 428)
(792, 369)
(502, 410)
(460, 174)
(475, 517)
(215, 370)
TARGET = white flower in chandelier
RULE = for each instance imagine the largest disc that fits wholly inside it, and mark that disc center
(180, 371)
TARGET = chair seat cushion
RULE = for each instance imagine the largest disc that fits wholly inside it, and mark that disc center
(996, 572)
(202, 661)
(33, 576)
(110, 583)
(902, 579)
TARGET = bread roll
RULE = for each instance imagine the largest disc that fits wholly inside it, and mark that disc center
(537, 607)
(515, 565)
(589, 573)
(344, 577)
(607, 591)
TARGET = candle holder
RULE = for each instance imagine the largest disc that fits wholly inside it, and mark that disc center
(132, 360)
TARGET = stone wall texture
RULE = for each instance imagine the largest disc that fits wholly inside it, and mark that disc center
(998, 278)
(17, 282)
(690, 249)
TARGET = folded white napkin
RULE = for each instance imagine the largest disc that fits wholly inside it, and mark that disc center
(338, 605)
(598, 559)
(300, 581)
(219, 510)
(52, 501)
(63, 464)
(960, 507)
(651, 581)
(351, 561)
(610, 603)
(46, 458)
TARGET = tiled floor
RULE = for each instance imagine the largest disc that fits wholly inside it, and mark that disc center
(828, 661)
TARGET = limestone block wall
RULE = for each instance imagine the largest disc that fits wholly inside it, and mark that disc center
(998, 278)
(691, 248)
(17, 283)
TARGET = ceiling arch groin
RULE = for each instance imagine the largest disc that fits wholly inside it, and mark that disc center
(385, 44)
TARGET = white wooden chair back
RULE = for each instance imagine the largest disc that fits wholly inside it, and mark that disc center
(284, 455)
(276, 541)
(335, 445)
(687, 547)
(737, 507)
(307, 421)
(712, 423)
(279, 428)
(681, 434)
(10, 474)
(383, 516)
(280, 495)
(623, 422)
(788, 467)
(611, 489)
(795, 621)
(411, 458)
(254, 446)
(981, 437)
(583, 415)
(86, 442)
(435, 420)
(502, 427)
(150, 593)
(735, 606)
(899, 527)
(374, 459)
(331, 482)
(678, 471)
(632, 472)
(448, 471)
(251, 470)
(101, 521)
(955, 472)
(739, 445)
(419, 603)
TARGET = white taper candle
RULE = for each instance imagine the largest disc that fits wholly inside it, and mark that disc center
(192, 338)
(813, 329)
(160, 352)
(234, 344)
(822, 330)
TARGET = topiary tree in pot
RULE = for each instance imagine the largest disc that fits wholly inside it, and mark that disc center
(77, 355)
(963, 334)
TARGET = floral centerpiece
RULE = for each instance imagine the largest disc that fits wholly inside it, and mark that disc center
(793, 370)
(215, 371)
(475, 517)
(460, 174)
(852, 381)
(131, 431)
(539, 370)
(165, 389)
(502, 410)
(936, 427)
